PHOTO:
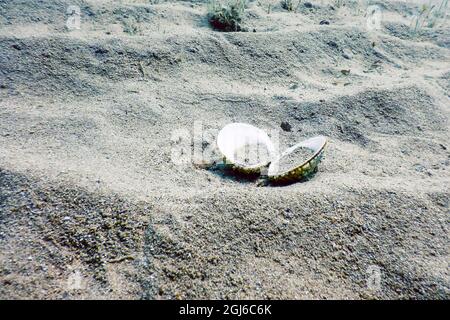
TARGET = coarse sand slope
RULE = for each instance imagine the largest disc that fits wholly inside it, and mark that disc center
(92, 206)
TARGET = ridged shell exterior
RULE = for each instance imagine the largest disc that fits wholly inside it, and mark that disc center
(300, 172)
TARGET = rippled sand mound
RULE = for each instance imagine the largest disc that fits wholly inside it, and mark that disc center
(92, 205)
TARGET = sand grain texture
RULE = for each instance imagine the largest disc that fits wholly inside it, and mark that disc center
(91, 205)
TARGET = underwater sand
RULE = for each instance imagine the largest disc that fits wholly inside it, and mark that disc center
(88, 190)
(294, 159)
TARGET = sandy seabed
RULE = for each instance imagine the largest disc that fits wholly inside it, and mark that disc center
(92, 205)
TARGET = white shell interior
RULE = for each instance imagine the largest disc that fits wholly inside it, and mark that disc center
(238, 135)
(315, 144)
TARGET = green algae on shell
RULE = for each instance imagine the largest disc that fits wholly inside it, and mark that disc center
(304, 168)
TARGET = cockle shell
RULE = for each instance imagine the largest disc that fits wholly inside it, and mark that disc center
(316, 144)
(235, 136)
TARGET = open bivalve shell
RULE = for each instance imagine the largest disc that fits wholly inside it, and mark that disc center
(303, 167)
(245, 147)
(249, 149)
